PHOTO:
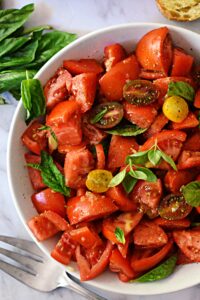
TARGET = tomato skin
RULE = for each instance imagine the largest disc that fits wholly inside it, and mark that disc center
(121, 199)
(65, 121)
(89, 207)
(189, 243)
(91, 133)
(197, 99)
(113, 54)
(64, 249)
(76, 167)
(190, 121)
(34, 139)
(189, 159)
(119, 148)
(193, 142)
(139, 115)
(101, 159)
(113, 81)
(182, 63)
(149, 235)
(80, 66)
(126, 221)
(157, 125)
(86, 236)
(147, 194)
(154, 50)
(87, 272)
(120, 264)
(55, 89)
(146, 263)
(84, 90)
(34, 175)
(49, 200)
(172, 224)
(175, 179)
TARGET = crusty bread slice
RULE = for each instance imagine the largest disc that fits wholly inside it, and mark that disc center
(180, 10)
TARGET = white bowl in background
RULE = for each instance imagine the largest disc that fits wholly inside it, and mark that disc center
(92, 45)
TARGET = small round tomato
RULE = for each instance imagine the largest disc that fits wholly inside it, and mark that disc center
(175, 109)
(98, 180)
(140, 92)
(107, 115)
(174, 207)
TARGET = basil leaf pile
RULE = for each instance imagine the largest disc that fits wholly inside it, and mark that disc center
(51, 176)
(182, 89)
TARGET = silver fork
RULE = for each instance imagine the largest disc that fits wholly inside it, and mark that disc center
(37, 270)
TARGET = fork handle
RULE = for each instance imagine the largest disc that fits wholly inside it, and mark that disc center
(77, 288)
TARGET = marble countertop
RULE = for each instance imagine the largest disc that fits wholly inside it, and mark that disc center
(79, 16)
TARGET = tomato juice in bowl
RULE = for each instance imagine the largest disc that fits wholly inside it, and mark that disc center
(92, 46)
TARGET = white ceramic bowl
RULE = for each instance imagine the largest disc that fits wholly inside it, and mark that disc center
(92, 45)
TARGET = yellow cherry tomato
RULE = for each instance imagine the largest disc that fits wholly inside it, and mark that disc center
(175, 109)
(98, 180)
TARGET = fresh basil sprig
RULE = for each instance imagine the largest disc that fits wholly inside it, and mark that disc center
(51, 176)
(182, 89)
(191, 193)
(99, 116)
(119, 233)
(128, 183)
(127, 130)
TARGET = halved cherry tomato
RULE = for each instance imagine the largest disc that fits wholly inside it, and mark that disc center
(98, 180)
(182, 63)
(147, 194)
(113, 54)
(64, 249)
(174, 207)
(120, 264)
(87, 272)
(189, 243)
(113, 81)
(125, 221)
(154, 50)
(77, 166)
(34, 174)
(140, 92)
(113, 114)
(34, 139)
(143, 116)
(175, 109)
(149, 235)
(193, 141)
(146, 263)
(49, 200)
(189, 159)
(175, 179)
(101, 159)
(197, 99)
(65, 121)
(56, 89)
(84, 90)
(91, 133)
(89, 207)
(86, 236)
(157, 126)
(119, 148)
(172, 224)
(190, 121)
(80, 66)
(121, 199)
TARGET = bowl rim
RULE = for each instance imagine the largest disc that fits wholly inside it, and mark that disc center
(86, 37)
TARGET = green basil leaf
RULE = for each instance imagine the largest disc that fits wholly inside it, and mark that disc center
(151, 177)
(128, 183)
(138, 158)
(12, 19)
(154, 156)
(34, 166)
(191, 193)
(127, 130)
(99, 116)
(23, 56)
(10, 45)
(12, 79)
(117, 179)
(119, 233)
(182, 89)
(33, 98)
(37, 28)
(162, 271)
(169, 160)
(138, 174)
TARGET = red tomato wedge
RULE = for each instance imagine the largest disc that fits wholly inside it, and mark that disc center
(182, 63)
(34, 174)
(80, 66)
(189, 159)
(190, 121)
(172, 224)
(193, 141)
(86, 236)
(89, 207)
(113, 54)
(175, 179)
(120, 264)
(154, 50)
(124, 248)
(113, 81)
(157, 125)
(101, 159)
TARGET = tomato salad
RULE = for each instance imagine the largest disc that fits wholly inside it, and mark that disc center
(115, 161)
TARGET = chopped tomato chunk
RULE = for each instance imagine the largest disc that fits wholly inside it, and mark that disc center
(189, 122)
(86, 236)
(189, 159)
(80, 66)
(182, 63)
(175, 179)
(158, 124)
(42, 228)
(120, 264)
(172, 224)
(34, 174)
(113, 54)
(193, 142)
